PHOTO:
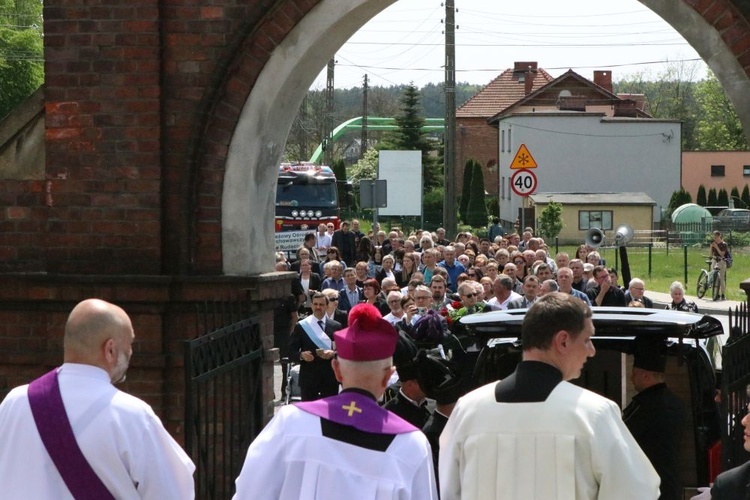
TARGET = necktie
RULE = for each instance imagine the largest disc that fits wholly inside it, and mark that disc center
(320, 322)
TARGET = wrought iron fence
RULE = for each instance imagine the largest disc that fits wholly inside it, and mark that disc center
(735, 386)
(223, 397)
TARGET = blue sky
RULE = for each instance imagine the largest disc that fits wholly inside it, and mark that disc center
(405, 42)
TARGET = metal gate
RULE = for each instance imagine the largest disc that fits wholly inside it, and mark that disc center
(735, 387)
(223, 398)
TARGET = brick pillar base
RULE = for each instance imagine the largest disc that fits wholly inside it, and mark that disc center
(164, 311)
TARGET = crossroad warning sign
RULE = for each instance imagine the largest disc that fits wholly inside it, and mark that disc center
(523, 159)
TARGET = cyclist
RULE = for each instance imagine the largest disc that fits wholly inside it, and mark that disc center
(718, 254)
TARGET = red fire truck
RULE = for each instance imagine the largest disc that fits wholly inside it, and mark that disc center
(306, 196)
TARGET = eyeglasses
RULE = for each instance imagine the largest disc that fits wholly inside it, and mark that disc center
(333, 300)
(470, 295)
(471, 275)
(394, 301)
(422, 297)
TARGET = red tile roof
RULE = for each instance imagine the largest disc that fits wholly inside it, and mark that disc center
(499, 94)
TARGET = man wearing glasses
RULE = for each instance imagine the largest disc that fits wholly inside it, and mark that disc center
(605, 293)
(635, 293)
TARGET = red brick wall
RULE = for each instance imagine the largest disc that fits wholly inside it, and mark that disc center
(477, 140)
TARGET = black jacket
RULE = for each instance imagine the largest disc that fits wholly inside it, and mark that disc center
(317, 373)
(733, 484)
(656, 418)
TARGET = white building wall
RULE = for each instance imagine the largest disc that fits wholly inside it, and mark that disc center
(588, 153)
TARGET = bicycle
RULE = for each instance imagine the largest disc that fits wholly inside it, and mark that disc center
(709, 279)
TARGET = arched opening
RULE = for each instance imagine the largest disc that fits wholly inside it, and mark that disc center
(266, 117)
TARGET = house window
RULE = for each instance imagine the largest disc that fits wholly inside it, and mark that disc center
(588, 219)
(717, 170)
(746, 170)
(502, 141)
(502, 187)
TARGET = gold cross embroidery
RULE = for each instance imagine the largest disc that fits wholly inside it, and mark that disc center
(352, 408)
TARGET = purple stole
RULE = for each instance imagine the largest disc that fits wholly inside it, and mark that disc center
(359, 411)
(57, 435)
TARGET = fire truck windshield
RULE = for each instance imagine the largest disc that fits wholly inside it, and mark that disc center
(309, 194)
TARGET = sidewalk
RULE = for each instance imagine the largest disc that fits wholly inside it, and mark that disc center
(705, 305)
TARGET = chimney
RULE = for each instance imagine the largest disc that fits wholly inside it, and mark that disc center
(529, 81)
(603, 79)
(525, 72)
(523, 66)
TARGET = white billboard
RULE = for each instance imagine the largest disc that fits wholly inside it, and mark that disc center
(402, 170)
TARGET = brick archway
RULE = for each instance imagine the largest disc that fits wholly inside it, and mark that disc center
(164, 122)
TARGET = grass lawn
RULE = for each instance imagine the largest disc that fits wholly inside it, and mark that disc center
(669, 267)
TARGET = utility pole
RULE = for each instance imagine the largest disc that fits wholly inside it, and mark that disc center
(363, 140)
(328, 124)
(449, 195)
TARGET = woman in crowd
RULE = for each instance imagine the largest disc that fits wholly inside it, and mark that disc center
(373, 296)
(409, 265)
(333, 254)
(594, 258)
(520, 262)
(310, 283)
(375, 262)
(386, 270)
(475, 274)
(365, 249)
(582, 252)
(486, 283)
(679, 302)
(464, 260)
(471, 254)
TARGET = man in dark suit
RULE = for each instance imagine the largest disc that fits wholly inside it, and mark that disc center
(733, 484)
(530, 294)
(635, 293)
(345, 241)
(351, 295)
(656, 416)
(410, 403)
(605, 293)
(312, 346)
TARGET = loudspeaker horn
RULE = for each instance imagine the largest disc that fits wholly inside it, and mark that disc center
(623, 235)
(594, 237)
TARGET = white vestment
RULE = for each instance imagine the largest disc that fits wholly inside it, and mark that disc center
(122, 439)
(292, 460)
(572, 446)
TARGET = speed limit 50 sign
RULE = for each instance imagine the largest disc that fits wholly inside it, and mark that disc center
(523, 182)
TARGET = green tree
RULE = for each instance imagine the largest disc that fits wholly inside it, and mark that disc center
(679, 198)
(476, 210)
(723, 198)
(21, 52)
(551, 221)
(746, 196)
(410, 137)
(669, 94)
(700, 199)
(718, 127)
(466, 189)
(432, 206)
(713, 200)
(735, 194)
(366, 168)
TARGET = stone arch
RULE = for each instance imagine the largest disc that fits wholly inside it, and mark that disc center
(257, 112)
(262, 126)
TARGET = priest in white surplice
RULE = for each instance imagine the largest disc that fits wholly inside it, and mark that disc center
(345, 446)
(534, 435)
(129, 453)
